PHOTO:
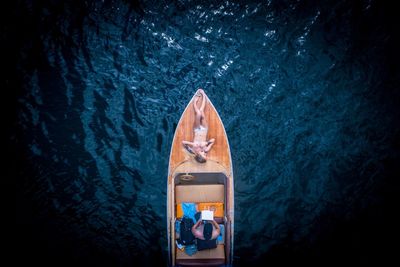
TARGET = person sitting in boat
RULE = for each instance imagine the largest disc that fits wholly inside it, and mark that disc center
(200, 146)
(206, 233)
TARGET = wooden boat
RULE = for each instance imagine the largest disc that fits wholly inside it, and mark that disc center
(190, 181)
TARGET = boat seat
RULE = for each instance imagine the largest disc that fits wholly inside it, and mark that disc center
(209, 257)
(200, 193)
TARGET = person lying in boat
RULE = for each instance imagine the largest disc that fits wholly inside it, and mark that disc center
(206, 233)
(200, 146)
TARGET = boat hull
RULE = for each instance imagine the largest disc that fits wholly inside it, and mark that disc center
(217, 170)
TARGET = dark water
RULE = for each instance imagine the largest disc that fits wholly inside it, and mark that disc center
(308, 93)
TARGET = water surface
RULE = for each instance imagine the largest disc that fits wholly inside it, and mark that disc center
(307, 91)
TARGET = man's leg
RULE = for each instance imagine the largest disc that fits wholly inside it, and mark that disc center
(203, 121)
(197, 113)
(203, 103)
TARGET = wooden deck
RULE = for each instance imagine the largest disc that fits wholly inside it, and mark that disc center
(220, 151)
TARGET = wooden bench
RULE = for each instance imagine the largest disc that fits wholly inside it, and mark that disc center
(201, 193)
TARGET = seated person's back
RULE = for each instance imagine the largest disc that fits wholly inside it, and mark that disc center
(206, 233)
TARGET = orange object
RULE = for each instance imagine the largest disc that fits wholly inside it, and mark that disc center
(179, 211)
(217, 207)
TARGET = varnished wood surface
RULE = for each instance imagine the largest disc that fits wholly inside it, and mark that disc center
(220, 152)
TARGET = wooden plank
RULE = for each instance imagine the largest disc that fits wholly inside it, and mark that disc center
(193, 166)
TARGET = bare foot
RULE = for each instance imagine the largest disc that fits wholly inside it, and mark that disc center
(197, 98)
(199, 95)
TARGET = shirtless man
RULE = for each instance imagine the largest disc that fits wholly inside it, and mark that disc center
(208, 230)
(200, 146)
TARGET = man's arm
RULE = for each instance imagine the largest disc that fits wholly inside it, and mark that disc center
(187, 143)
(216, 231)
(209, 145)
(215, 225)
(196, 232)
(188, 146)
